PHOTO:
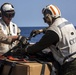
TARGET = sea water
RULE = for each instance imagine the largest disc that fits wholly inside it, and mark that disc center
(25, 31)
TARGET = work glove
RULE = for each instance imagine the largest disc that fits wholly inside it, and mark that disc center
(34, 33)
(23, 40)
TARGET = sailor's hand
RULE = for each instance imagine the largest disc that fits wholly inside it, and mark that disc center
(22, 39)
(14, 38)
(34, 33)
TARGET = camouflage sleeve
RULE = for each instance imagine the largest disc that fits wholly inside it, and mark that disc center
(4, 38)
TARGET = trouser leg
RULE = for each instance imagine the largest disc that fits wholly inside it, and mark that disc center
(69, 68)
(1, 68)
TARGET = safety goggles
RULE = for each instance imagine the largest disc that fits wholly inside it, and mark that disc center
(46, 11)
(9, 14)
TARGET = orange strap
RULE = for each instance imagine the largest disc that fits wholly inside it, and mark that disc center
(16, 59)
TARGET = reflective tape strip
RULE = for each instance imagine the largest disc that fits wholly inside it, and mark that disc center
(53, 10)
(63, 24)
(57, 9)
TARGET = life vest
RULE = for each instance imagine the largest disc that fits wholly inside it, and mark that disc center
(9, 31)
(12, 30)
(67, 39)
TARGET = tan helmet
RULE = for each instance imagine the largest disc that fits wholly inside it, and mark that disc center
(7, 10)
(53, 10)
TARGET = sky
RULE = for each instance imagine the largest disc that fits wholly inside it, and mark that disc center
(29, 12)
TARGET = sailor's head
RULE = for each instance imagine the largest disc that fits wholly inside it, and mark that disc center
(7, 10)
(50, 12)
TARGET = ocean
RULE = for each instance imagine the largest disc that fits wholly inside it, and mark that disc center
(25, 31)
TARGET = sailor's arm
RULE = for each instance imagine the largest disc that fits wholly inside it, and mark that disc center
(47, 40)
(7, 39)
(43, 30)
(36, 32)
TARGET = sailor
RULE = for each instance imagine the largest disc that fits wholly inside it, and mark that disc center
(60, 37)
(9, 31)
